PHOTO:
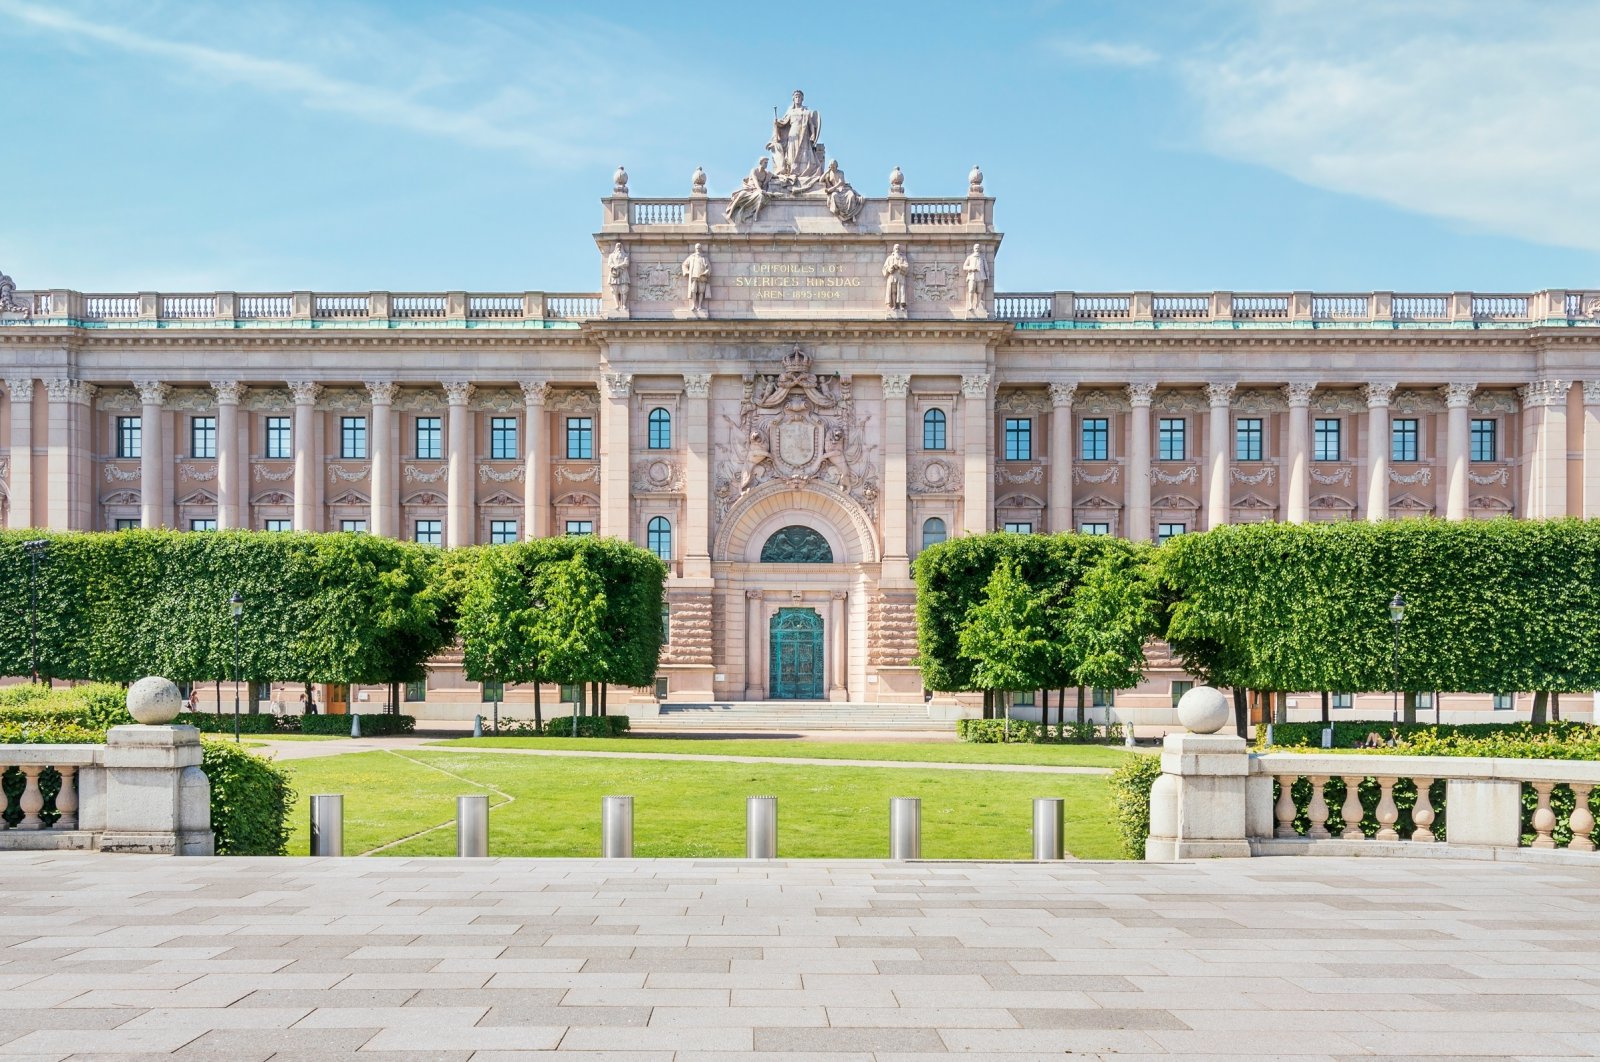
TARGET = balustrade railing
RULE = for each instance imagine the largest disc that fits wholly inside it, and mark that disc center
(111, 307)
(182, 307)
(572, 307)
(1179, 307)
(657, 212)
(494, 306)
(1261, 307)
(339, 306)
(1421, 307)
(1500, 307)
(46, 787)
(1339, 308)
(935, 211)
(1029, 307)
(418, 306)
(263, 307)
(1101, 307)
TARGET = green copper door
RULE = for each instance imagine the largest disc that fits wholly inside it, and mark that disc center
(797, 655)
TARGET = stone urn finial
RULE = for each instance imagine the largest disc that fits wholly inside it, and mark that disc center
(697, 184)
(619, 182)
(154, 701)
(975, 181)
(897, 182)
(1203, 710)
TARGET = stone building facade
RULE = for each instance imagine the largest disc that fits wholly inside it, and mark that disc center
(787, 394)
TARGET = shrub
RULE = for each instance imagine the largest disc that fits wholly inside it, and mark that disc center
(993, 731)
(372, 725)
(1549, 741)
(250, 800)
(1130, 797)
(588, 726)
(211, 723)
(96, 705)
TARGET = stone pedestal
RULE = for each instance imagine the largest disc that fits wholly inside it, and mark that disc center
(1484, 813)
(1198, 805)
(157, 798)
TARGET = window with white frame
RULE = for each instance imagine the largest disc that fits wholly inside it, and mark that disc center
(1342, 700)
(1505, 702)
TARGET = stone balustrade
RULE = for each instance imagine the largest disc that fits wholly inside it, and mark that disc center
(72, 815)
(226, 309)
(1311, 309)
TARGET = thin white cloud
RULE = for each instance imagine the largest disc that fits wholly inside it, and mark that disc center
(1456, 110)
(1103, 53)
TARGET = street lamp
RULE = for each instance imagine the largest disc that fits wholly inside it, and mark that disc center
(1397, 615)
(35, 550)
(236, 605)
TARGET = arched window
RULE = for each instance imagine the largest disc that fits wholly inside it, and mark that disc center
(933, 532)
(658, 536)
(796, 544)
(933, 430)
(660, 429)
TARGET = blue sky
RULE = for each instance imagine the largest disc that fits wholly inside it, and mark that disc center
(1272, 145)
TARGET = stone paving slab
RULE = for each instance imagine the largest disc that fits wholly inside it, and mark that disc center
(124, 957)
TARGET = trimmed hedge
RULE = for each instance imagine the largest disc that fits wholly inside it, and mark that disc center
(1350, 733)
(211, 723)
(993, 731)
(250, 800)
(588, 726)
(97, 705)
(1130, 798)
(372, 725)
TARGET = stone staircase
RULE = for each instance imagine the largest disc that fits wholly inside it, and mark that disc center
(791, 715)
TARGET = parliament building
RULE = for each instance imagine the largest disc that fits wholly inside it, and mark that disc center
(786, 394)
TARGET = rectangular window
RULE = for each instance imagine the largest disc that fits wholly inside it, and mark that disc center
(1247, 439)
(503, 438)
(203, 437)
(1505, 702)
(502, 532)
(127, 525)
(1342, 700)
(430, 438)
(1483, 440)
(1403, 440)
(278, 525)
(661, 687)
(1022, 698)
(280, 444)
(352, 525)
(494, 691)
(1019, 438)
(1095, 439)
(430, 532)
(202, 525)
(1103, 698)
(1020, 528)
(1179, 688)
(1424, 700)
(417, 690)
(1166, 531)
(260, 693)
(1325, 440)
(130, 437)
(568, 693)
(1094, 529)
(580, 439)
(580, 527)
(666, 625)
(1170, 441)
(353, 438)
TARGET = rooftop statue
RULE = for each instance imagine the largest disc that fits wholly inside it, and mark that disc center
(796, 151)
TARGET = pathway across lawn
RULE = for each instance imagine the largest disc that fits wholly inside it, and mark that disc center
(963, 752)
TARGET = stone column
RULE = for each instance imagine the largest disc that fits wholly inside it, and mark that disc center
(1591, 450)
(68, 506)
(20, 485)
(1457, 400)
(896, 555)
(697, 475)
(1377, 395)
(754, 688)
(1544, 448)
(153, 510)
(228, 502)
(615, 454)
(836, 651)
(385, 507)
(1137, 499)
(536, 458)
(978, 514)
(1220, 396)
(1299, 502)
(157, 798)
(1058, 509)
(458, 529)
(307, 483)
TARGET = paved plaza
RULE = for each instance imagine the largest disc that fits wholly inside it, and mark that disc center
(1311, 958)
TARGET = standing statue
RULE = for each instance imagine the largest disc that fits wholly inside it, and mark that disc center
(746, 203)
(617, 275)
(795, 146)
(757, 456)
(896, 268)
(845, 202)
(697, 268)
(833, 457)
(977, 270)
(8, 297)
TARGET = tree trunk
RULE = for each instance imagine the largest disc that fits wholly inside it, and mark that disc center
(1408, 708)
(1280, 706)
(538, 708)
(1540, 699)
(1081, 696)
(1241, 712)
(1044, 711)
(605, 698)
(1325, 698)
(1555, 706)
(583, 692)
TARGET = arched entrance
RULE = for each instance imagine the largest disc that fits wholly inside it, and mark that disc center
(796, 667)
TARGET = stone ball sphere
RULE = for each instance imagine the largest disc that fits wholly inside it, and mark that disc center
(154, 700)
(1203, 710)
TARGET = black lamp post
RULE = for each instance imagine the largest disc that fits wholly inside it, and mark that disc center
(1397, 615)
(35, 550)
(236, 604)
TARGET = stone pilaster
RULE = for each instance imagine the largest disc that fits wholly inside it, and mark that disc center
(19, 485)
(837, 652)
(896, 550)
(229, 446)
(536, 457)
(68, 476)
(1377, 395)
(1220, 397)
(615, 453)
(1298, 504)
(1591, 449)
(1137, 503)
(697, 475)
(385, 506)
(307, 483)
(153, 508)
(1544, 447)
(754, 687)
(1058, 504)
(977, 406)
(1457, 401)
(458, 501)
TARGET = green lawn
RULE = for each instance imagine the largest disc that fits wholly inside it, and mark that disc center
(691, 809)
(779, 748)
(257, 739)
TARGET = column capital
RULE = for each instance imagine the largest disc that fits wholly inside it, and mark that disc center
(1220, 395)
(1299, 394)
(1141, 394)
(21, 388)
(617, 384)
(840, 595)
(975, 384)
(1591, 392)
(382, 392)
(753, 595)
(458, 392)
(697, 384)
(304, 392)
(1378, 392)
(1544, 392)
(152, 392)
(229, 392)
(63, 390)
(1062, 392)
(535, 392)
(1458, 395)
(896, 385)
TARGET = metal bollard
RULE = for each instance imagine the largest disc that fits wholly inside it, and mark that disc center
(761, 827)
(616, 827)
(477, 725)
(327, 824)
(1049, 827)
(905, 828)
(355, 725)
(472, 826)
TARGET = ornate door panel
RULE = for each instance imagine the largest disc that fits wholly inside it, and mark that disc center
(796, 664)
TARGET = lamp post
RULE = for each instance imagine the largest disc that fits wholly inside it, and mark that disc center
(1397, 615)
(236, 604)
(35, 550)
